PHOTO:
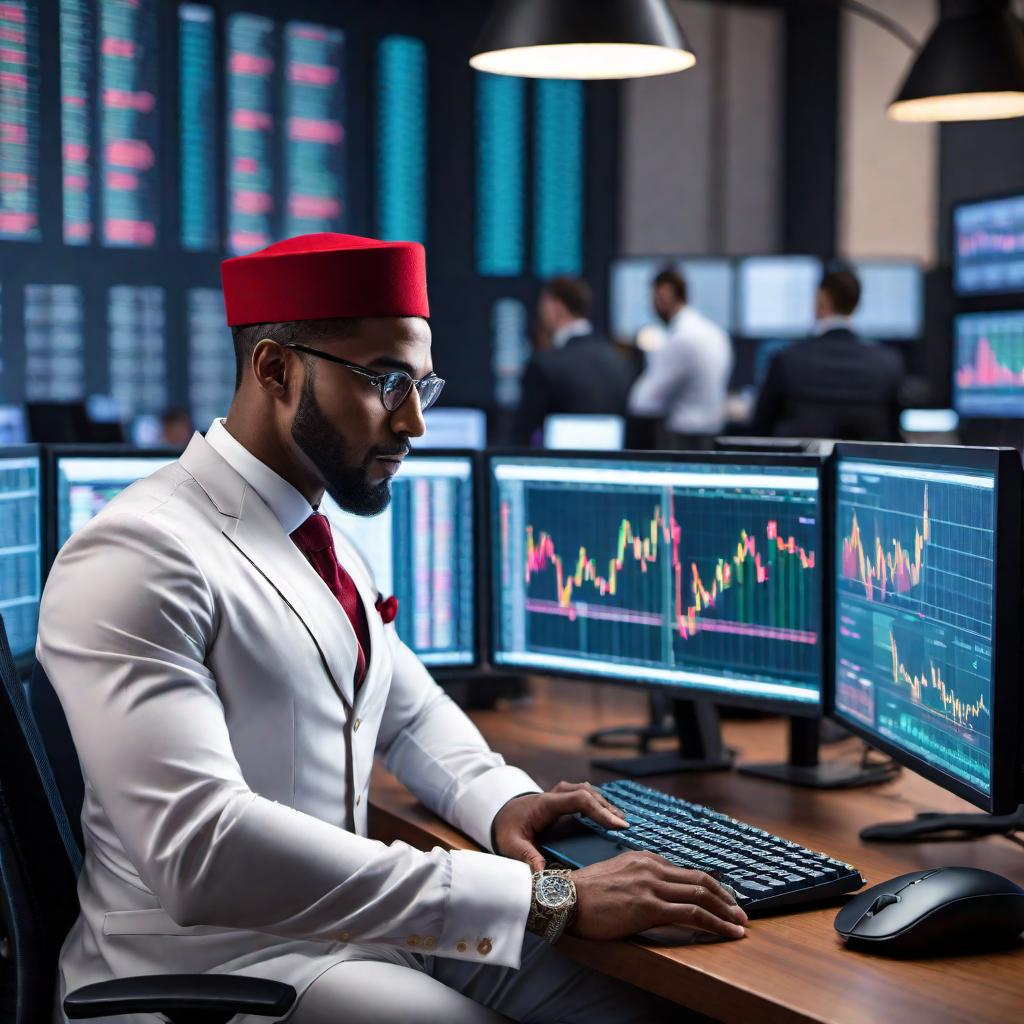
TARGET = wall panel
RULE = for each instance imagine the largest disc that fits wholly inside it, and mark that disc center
(888, 171)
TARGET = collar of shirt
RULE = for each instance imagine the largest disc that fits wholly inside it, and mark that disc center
(290, 507)
(832, 323)
(574, 329)
(679, 320)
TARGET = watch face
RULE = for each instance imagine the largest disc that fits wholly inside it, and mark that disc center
(554, 892)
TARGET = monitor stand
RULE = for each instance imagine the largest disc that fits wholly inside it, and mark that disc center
(804, 769)
(639, 736)
(932, 826)
(700, 746)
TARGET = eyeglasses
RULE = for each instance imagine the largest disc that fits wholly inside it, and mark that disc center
(394, 386)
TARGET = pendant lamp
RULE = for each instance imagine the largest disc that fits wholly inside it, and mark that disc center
(971, 68)
(582, 39)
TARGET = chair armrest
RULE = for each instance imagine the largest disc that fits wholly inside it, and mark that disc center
(199, 998)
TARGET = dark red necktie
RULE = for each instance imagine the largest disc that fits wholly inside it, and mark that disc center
(313, 539)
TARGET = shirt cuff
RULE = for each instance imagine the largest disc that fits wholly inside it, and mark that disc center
(488, 905)
(485, 796)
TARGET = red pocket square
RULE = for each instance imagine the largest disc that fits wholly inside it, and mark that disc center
(388, 608)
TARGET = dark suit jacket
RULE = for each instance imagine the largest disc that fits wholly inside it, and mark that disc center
(835, 386)
(587, 375)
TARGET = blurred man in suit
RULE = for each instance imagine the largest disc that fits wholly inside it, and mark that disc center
(685, 380)
(579, 371)
(834, 385)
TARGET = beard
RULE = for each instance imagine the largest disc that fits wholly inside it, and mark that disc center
(350, 486)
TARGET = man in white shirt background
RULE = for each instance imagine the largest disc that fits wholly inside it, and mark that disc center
(686, 378)
(228, 671)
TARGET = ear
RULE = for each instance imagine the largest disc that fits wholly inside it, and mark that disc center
(273, 371)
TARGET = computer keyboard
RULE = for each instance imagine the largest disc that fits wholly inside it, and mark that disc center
(765, 871)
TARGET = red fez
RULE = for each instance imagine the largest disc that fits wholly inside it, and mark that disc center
(323, 276)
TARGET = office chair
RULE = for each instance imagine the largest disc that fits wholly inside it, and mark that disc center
(39, 859)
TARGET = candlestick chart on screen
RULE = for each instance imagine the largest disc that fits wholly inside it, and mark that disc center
(914, 611)
(718, 582)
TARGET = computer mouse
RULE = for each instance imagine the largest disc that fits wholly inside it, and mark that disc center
(942, 910)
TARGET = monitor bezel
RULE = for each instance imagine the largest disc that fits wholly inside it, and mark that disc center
(23, 663)
(954, 262)
(679, 691)
(954, 321)
(1005, 771)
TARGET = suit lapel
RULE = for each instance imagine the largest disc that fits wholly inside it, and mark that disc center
(255, 531)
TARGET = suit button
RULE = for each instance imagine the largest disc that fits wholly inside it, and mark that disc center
(430, 942)
(355, 725)
(461, 947)
(483, 947)
(344, 936)
(413, 941)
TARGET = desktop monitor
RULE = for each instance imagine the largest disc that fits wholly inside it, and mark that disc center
(13, 425)
(988, 246)
(584, 432)
(421, 549)
(926, 597)
(698, 573)
(988, 365)
(709, 283)
(85, 480)
(891, 306)
(776, 295)
(451, 427)
(21, 543)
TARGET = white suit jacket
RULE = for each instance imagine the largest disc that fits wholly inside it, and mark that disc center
(206, 673)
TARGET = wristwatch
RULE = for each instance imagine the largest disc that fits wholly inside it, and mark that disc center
(553, 905)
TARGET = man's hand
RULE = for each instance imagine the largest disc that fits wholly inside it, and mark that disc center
(626, 894)
(636, 891)
(517, 824)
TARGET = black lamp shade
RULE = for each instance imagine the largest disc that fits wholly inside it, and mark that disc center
(582, 39)
(970, 68)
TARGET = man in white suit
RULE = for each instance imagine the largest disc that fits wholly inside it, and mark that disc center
(228, 676)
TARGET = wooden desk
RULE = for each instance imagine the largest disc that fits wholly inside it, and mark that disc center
(790, 968)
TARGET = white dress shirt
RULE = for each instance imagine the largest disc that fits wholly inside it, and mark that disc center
(685, 380)
(290, 507)
(832, 323)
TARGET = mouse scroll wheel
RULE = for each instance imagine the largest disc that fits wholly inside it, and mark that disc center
(887, 899)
